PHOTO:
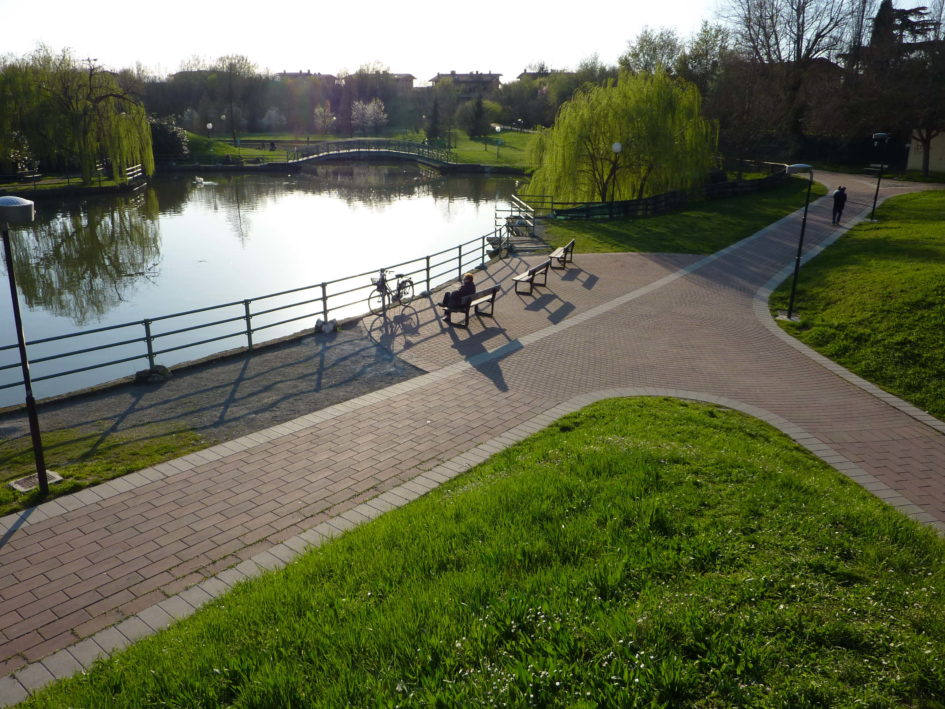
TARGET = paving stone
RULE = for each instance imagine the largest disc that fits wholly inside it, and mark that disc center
(611, 325)
(62, 664)
(12, 691)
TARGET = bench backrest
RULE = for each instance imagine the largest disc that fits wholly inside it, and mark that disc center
(542, 266)
(487, 293)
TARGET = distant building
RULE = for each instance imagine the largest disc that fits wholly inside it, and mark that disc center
(286, 75)
(936, 154)
(470, 85)
(542, 74)
(404, 81)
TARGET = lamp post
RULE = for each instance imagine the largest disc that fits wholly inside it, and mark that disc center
(879, 175)
(498, 140)
(209, 128)
(616, 148)
(791, 170)
(17, 210)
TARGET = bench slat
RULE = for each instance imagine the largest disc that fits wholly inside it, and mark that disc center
(475, 300)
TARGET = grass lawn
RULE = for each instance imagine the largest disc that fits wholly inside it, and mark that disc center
(875, 300)
(640, 552)
(513, 152)
(702, 228)
(88, 456)
(47, 182)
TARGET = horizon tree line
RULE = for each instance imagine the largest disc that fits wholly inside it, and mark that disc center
(782, 79)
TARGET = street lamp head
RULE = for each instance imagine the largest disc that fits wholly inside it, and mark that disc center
(880, 136)
(209, 126)
(16, 210)
(799, 167)
(617, 147)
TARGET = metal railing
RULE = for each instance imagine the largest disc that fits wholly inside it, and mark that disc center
(238, 321)
(547, 206)
(517, 220)
(313, 151)
(374, 145)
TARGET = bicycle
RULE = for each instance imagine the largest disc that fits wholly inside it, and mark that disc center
(382, 296)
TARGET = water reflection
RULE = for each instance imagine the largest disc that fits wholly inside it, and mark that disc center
(185, 244)
(84, 262)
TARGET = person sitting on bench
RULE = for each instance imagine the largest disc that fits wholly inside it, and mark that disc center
(454, 299)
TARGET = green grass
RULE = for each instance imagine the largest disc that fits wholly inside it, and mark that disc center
(513, 152)
(875, 300)
(703, 228)
(88, 456)
(49, 182)
(640, 552)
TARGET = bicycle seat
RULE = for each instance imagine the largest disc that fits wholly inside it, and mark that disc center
(400, 275)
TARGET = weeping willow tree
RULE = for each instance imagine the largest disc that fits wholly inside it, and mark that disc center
(71, 116)
(636, 137)
(85, 264)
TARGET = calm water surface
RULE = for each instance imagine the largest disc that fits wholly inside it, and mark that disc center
(184, 244)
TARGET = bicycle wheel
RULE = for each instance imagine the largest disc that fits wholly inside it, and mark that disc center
(376, 302)
(406, 291)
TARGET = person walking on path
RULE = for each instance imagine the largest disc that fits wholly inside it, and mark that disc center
(839, 200)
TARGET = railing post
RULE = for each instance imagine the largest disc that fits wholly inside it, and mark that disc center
(249, 328)
(147, 339)
(325, 302)
(459, 266)
(482, 244)
(429, 288)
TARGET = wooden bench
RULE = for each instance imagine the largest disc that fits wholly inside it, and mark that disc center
(563, 254)
(476, 301)
(532, 275)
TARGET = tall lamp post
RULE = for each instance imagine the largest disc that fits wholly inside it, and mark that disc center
(877, 137)
(616, 148)
(498, 140)
(791, 170)
(16, 210)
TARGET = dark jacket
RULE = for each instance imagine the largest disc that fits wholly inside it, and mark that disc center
(456, 297)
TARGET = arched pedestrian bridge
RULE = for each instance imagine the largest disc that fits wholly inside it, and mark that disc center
(375, 149)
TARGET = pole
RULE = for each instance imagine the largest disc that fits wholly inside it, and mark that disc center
(879, 177)
(877, 137)
(800, 248)
(31, 412)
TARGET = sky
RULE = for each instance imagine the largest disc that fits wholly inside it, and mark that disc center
(421, 37)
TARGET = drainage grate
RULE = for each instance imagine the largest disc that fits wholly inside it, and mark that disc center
(31, 481)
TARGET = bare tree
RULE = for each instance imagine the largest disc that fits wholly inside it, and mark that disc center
(237, 73)
(779, 31)
(785, 38)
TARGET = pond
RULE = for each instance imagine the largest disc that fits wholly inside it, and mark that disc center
(187, 242)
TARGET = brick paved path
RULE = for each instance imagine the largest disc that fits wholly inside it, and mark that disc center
(86, 574)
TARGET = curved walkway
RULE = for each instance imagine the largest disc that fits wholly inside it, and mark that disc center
(86, 574)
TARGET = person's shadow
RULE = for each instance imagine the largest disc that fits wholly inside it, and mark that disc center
(471, 345)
